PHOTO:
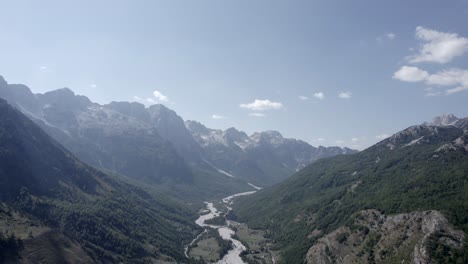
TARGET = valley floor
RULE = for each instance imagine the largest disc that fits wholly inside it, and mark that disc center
(226, 241)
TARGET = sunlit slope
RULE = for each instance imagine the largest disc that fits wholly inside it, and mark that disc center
(421, 168)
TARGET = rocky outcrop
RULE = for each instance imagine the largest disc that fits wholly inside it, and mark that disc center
(373, 237)
(439, 130)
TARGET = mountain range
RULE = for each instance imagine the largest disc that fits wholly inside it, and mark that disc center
(82, 182)
(403, 199)
(262, 158)
(154, 145)
(136, 201)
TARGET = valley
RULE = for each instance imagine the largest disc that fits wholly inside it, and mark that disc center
(243, 244)
(155, 146)
(233, 132)
(87, 183)
(137, 155)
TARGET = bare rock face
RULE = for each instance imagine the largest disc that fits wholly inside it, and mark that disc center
(459, 144)
(442, 127)
(444, 120)
(374, 237)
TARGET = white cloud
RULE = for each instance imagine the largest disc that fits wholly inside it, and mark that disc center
(319, 95)
(160, 97)
(145, 101)
(345, 95)
(410, 74)
(387, 36)
(451, 77)
(382, 136)
(262, 105)
(157, 97)
(320, 139)
(45, 69)
(391, 36)
(456, 90)
(354, 139)
(218, 117)
(257, 114)
(303, 98)
(93, 85)
(440, 47)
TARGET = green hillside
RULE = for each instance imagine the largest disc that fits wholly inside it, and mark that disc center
(420, 168)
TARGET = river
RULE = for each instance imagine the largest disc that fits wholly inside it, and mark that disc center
(233, 255)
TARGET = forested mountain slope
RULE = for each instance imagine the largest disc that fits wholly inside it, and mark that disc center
(424, 167)
(65, 211)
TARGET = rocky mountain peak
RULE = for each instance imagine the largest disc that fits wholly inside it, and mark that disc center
(160, 110)
(132, 109)
(444, 120)
(4, 91)
(164, 118)
(273, 134)
(234, 134)
(2, 81)
(348, 151)
(64, 98)
(232, 131)
(23, 97)
(62, 92)
(196, 127)
(462, 123)
(270, 136)
(172, 128)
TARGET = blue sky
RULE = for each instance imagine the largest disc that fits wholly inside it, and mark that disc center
(328, 72)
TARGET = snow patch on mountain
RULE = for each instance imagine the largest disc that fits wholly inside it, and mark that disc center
(443, 120)
(414, 142)
(225, 173)
(255, 187)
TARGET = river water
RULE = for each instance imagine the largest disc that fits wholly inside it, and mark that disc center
(233, 255)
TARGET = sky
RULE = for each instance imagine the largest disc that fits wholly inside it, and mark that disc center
(345, 73)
